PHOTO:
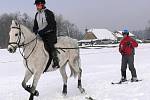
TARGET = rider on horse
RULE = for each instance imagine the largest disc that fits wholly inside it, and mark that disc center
(45, 27)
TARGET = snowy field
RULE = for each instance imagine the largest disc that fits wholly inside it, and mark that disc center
(100, 68)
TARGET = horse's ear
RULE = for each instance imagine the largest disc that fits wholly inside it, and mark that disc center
(14, 23)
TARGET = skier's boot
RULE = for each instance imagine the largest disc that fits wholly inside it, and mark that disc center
(123, 74)
(134, 79)
(123, 79)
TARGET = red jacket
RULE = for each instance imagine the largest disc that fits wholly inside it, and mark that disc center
(127, 45)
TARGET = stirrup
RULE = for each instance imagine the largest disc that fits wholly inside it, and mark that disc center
(55, 63)
(55, 66)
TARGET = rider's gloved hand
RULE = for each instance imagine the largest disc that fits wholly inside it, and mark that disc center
(35, 32)
(40, 33)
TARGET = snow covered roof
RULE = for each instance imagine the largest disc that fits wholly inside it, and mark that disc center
(102, 34)
(118, 34)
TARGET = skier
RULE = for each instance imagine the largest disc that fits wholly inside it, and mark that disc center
(45, 27)
(126, 48)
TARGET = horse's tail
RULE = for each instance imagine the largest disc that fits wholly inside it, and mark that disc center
(73, 55)
(73, 73)
(75, 69)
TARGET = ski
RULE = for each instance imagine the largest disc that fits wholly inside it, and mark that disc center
(89, 98)
(120, 82)
(126, 82)
(136, 81)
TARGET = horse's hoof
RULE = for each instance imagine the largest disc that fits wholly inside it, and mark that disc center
(28, 88)
(82, 90)
(64, 94)
(36, 93)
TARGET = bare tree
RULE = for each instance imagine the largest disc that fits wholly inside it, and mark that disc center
(64, 27)
(143, 34)
(5, 22)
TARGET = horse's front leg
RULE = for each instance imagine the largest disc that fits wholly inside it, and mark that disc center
(32, 89)
(28, 75)
(29, 88)
(36, 78)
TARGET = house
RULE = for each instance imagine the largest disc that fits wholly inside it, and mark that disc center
(98, 36)
(118, 35)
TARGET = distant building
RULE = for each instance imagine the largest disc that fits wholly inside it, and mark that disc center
(103, 36)
(98, 36)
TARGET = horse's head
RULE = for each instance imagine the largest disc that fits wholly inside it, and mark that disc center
(15, 36)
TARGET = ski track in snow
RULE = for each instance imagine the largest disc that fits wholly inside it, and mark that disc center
(100, 68)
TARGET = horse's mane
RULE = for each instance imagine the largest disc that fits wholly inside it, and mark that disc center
(15, 23)
(26, 28)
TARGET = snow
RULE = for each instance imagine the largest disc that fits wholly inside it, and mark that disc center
(102, 34)
(100, 68)
(87, 40)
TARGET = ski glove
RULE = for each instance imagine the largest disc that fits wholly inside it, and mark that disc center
(128, 43)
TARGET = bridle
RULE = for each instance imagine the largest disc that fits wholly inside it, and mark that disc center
(18, 40)
(23, 44)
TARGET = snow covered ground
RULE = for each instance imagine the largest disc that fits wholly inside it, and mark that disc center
(100, 68)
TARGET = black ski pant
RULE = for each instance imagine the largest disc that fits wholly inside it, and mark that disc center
(49, 46)
(128, 60)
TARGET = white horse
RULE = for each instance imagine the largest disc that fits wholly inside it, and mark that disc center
(36, 57)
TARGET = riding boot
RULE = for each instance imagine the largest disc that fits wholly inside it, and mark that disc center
(55, 59)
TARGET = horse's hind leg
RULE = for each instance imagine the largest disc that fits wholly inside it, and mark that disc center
(75, 67)
(64, 76)
(82, 90)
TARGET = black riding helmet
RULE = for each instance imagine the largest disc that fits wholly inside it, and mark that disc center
(39, 1)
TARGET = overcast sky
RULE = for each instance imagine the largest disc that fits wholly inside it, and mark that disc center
(110, 14)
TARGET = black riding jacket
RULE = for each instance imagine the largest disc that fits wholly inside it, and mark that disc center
(49, 31)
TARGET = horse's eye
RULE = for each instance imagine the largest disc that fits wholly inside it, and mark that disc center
(16, 34)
